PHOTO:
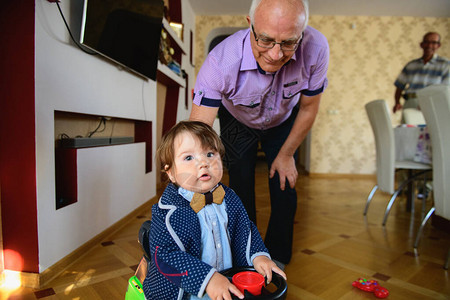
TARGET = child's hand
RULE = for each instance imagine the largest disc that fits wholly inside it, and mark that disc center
(219, 288)
(265, 266)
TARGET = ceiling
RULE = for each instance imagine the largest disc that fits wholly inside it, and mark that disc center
(416, 8)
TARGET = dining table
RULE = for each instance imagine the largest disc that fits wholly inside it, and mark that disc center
(412, 143)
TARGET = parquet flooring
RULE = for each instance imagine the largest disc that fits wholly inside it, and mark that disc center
(334, 245)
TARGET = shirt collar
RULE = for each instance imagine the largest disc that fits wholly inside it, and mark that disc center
(186, 194)
(248, 59)
(432, 60)
(260, 70)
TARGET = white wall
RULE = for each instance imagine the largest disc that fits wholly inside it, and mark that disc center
(189, 24)
(111, 180)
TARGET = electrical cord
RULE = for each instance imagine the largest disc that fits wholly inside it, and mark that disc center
(63, 136)
(70, 32)
(112, 129)
(102, 121)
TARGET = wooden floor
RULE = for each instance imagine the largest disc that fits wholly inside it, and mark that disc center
(334, 245)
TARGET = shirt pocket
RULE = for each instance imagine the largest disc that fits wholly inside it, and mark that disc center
(247, 103)
(291, 92)
(250, 105)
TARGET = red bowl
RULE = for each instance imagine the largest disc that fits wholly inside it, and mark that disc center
(250, 281)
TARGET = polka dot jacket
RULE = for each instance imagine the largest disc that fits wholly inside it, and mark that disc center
(176, 270)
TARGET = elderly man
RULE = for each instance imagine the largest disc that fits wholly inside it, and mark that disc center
(421, 72)
(265, 82)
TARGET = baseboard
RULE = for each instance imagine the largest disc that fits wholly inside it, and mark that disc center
(25, 279)
(341, 176)
(33, 280)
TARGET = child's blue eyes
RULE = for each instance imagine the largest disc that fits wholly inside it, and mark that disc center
(191, 157)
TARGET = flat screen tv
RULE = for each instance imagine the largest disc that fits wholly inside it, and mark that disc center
(125, 31)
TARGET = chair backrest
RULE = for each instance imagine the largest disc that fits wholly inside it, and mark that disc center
(435, 105)
(413, 116)
(378, 113)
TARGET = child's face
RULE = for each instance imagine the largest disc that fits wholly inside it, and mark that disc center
(194, 168)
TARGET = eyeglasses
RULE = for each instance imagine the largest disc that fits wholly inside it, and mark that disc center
(431, 42)
(284, 46)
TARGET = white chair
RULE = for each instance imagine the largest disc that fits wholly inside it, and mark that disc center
(378, 113)
(413, 116)
(435, 104)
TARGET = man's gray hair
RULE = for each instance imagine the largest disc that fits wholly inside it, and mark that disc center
(305, 4)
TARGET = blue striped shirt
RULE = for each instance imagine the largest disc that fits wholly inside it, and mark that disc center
(416, 75)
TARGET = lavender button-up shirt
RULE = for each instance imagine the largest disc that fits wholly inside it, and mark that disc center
(230, 75)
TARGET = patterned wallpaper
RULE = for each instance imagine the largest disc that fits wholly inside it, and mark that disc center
(366, 55)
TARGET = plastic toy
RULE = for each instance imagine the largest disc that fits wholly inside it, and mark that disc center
(134, 290)
(277, 289)
(371, 286)
(249, 281)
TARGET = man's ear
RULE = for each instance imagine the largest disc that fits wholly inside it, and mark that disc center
(249, 21)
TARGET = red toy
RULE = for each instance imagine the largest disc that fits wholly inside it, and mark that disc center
(250, 281)
(371, 286)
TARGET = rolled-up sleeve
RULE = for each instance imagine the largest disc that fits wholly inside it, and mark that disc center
(209, 84)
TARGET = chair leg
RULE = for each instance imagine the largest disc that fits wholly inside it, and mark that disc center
(429, 190)
(372, 192)
(447, 260)
(424, 193)
(389, 206)
(424, 222)
(424, 204)
(394, 196)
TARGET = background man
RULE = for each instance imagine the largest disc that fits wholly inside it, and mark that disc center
(421, 72)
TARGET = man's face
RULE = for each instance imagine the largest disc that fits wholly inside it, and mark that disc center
(430, 44)
(276, 24)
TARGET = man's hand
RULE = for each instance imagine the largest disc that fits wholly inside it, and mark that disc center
(285, 166)
(397, 96)
(284, 163)
(265, 266)
(397, 106)
(219, 288)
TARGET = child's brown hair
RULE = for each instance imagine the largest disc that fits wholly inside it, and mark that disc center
(205, 133)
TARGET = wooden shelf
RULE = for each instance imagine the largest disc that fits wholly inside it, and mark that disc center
(178, 42)
(168, 77)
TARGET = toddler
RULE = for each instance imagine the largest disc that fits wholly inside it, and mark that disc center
(199, 226)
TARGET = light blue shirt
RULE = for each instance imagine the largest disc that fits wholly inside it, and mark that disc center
(216, 249)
